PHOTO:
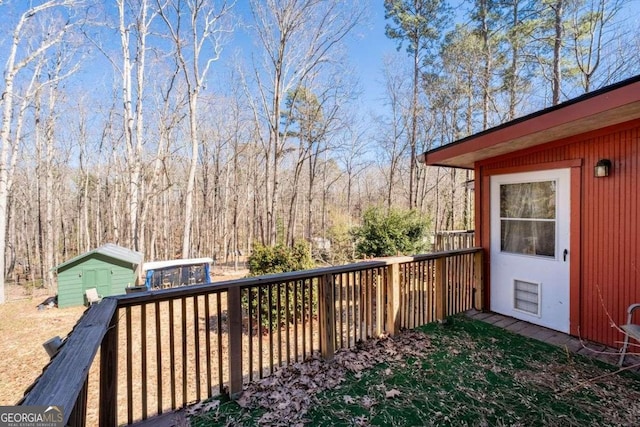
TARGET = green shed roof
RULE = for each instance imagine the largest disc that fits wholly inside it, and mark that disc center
(110, 250)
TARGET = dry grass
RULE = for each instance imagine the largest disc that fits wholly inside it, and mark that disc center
(23, 330)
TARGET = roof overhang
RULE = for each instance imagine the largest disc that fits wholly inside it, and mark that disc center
(605, 107)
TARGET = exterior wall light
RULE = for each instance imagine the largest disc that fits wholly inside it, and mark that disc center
(602, 169)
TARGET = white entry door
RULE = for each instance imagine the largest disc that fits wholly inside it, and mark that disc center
(530, 214)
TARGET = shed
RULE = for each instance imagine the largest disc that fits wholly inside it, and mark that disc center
(109, 268)
(560, 235)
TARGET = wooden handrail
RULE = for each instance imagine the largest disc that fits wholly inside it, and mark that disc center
(64, 378)
(208, 288)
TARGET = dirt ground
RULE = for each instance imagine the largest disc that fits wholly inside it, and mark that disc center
(24, 328)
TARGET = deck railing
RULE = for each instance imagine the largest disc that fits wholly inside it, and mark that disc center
(453, 240)
(163, 350)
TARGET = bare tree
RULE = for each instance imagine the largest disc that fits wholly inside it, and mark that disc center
(297, 38)
(588, 36)
(197, 30)
(25, 47)
(392, 139)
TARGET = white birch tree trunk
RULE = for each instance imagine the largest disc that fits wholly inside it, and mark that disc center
(13, 66)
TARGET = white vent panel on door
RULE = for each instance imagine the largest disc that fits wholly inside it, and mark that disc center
(526, 297)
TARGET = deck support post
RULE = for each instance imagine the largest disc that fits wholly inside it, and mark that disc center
(393, 299)
(326, 310)
(235, 341)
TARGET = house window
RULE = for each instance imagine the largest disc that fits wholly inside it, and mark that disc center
(528, 218)
(526, 297)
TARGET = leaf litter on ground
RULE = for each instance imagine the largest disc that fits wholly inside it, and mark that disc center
(288, 393)
(446, 375)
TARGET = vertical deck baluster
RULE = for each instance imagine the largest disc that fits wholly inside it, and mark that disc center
(454, 284)
(351, 314)
(363, 304)
(303, 316)
(158, 357)
(348, 308)
(357, 306)
(431, 290)
(354, 320)
(404, 295)
(340, 280)
(411, 283)
(410, 295)
(172, 354)
(250, 332)
(311, 281)
(375, 273)
(183, 329)
(419, 293)
(287, 320)
(424, 286)
(207, 346)
(364, 277)
(459, 274)
(279, 321)
(295, 320)
(415, 284)
(129, 367)
(196, 345)
(427, 290)
(448, 287)
(143, 358)
(260, 316)
(360, 304)
(469, 274)
(219, 337)
(370, 299)
(470, 281)
(270, 315)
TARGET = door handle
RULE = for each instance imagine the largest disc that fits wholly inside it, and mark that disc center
(564, 255)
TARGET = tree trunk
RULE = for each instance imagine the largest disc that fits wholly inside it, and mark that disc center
(558, 9)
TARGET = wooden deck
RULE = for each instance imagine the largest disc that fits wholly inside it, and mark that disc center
(574, 344)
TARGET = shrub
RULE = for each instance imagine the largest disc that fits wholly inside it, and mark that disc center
(390, 233)
(280, 259)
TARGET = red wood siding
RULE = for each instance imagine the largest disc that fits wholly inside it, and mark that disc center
(609, 274)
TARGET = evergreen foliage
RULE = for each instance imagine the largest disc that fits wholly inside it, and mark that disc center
(279, 258)
(390, 233)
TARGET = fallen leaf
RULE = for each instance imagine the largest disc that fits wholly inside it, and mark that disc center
(392, 393)
(368, 402)
(348, 399)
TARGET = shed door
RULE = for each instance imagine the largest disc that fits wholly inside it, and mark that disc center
(530, 215)
(99, 279)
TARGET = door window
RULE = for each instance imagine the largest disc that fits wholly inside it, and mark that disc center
(528, 218)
